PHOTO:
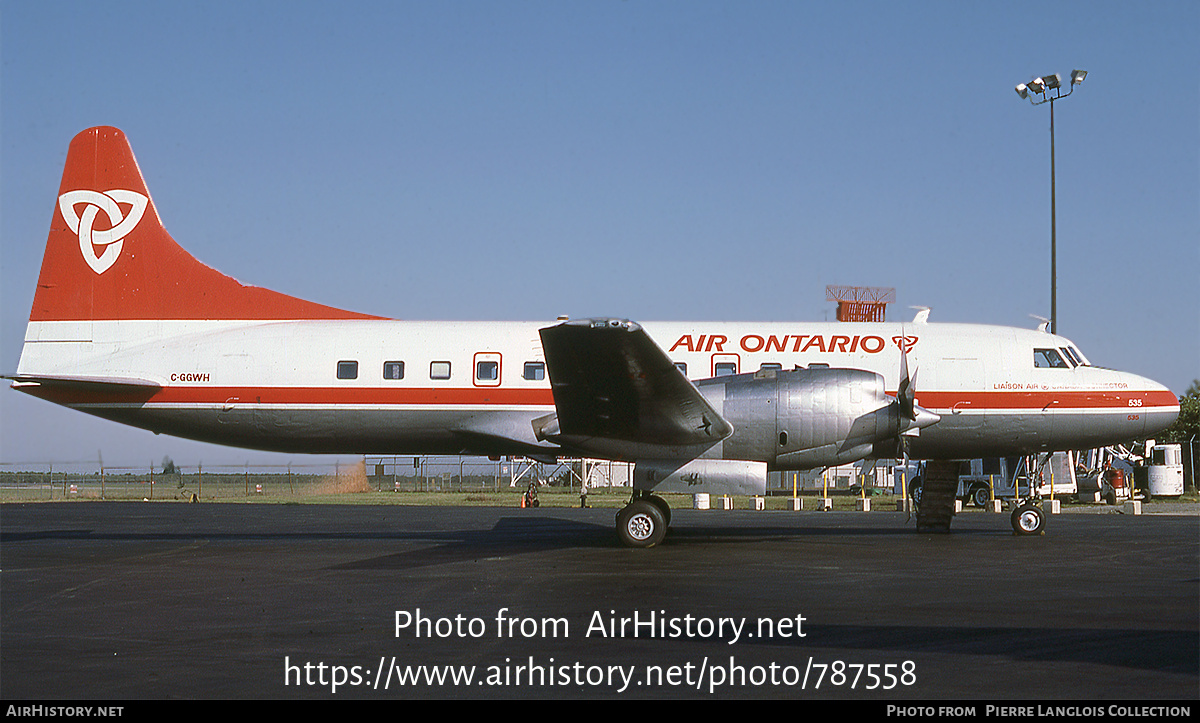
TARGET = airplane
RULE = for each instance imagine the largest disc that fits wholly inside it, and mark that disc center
(128, 326)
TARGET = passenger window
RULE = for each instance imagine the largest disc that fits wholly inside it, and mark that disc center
(439, 370)
(725, 369)
(487, 371)
(1048, 359)
(771, 366)
(347, 370)
(393, 370)
(535, 371)
(682, 367)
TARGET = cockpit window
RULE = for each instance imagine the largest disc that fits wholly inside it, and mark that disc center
(1083, 362)
(1048, 359)
(1068, 356)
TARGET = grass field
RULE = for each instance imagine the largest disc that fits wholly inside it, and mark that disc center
(351, 485)
(355, 488)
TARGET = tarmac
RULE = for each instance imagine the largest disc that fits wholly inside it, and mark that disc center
(146, 601)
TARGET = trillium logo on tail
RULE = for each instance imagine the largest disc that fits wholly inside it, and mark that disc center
(120, 224)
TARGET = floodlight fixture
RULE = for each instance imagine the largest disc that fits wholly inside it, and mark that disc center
(1041, 86)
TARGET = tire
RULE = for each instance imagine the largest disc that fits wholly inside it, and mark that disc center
(1028, 519)
(663, 507)
(641, 524)
(980, 496)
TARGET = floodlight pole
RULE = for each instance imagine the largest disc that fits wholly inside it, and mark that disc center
(1053, 234)
(1041, 88)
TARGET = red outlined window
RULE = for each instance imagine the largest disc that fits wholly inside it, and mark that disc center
(724, 365)
(487, 367)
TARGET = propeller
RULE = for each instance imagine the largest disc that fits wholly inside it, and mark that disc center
(911, 418)
(906, 393)
(906, 402)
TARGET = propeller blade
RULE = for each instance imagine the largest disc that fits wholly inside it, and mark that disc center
(906, 393)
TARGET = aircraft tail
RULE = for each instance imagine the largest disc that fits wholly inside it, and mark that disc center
(108, 256)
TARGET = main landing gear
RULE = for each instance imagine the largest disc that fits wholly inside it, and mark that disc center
(644, 521)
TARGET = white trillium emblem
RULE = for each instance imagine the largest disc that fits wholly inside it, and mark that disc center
(120, 224)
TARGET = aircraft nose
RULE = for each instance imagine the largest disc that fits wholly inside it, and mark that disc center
(1159, 405)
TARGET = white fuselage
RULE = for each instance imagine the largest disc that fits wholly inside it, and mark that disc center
(475, 387)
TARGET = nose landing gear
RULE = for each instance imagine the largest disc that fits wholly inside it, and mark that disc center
(1029, 519)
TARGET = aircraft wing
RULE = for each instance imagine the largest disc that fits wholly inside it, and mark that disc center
(611, 381)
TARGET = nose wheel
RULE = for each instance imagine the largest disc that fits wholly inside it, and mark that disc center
(1029, 519)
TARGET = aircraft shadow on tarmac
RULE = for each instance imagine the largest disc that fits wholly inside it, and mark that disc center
(530, 535)
(513, 535)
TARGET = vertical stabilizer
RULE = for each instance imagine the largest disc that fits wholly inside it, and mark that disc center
(108, 256)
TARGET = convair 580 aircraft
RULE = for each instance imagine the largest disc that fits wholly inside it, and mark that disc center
(128, 326)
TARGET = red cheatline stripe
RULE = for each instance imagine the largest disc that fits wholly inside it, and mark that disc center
(301, 395)
(959, 401)
(1050, 400)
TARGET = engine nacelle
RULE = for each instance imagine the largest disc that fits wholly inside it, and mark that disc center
(804, 418)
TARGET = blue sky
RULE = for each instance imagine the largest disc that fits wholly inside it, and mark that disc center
(652, 160)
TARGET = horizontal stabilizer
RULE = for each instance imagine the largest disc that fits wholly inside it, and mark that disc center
(73, 390)
(81, 383)
(610, 380)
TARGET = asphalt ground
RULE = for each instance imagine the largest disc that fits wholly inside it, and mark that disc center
(130, 601)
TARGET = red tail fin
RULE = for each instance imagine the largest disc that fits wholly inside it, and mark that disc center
(109, 257)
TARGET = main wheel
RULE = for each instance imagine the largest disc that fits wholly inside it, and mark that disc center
(1028, 519)
(641, 524)
(980, 496)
